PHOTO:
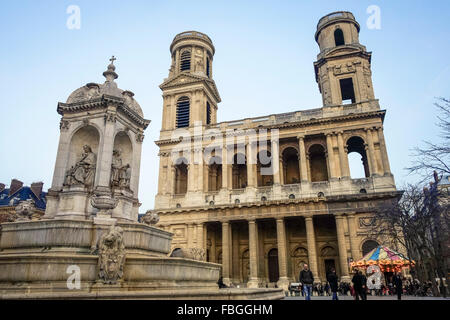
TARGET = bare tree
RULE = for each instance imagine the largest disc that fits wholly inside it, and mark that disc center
(435, 156)
(418, 222)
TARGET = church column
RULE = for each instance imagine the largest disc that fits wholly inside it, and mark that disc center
(199, 183)
(281, 168)
(103, 171)
(225, 167)
(342, 248)
(62, 155)
(226, 250)
(253, 252)
(251, 164)
(200, 235)
(171, 190)
(276, 161)
(384, 155)
(343, 159)
(302, 159)
(371, 154)
(330, 153)
(351, 218)
(312, 253)
(191, 174)
(283, 281)
(212, 253)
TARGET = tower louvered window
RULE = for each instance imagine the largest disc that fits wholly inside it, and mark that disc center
(183, 112)
(185, 61)
(207, 67)
(208, 113)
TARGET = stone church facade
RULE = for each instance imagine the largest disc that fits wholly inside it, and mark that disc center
(264, 195)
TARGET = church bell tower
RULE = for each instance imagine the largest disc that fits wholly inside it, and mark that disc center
(343, 66)
(190, 94)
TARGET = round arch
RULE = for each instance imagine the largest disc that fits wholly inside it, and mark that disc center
(368, 245)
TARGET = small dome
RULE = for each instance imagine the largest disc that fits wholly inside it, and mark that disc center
(94, 90)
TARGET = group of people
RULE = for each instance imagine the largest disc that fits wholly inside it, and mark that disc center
(358, 289)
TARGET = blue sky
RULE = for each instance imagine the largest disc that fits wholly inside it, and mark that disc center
(263, 64)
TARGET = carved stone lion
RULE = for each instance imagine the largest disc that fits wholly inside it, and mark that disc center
(150, 217)
(111, 255)
(25, 210)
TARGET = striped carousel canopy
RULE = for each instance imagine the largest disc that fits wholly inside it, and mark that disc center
(383, 255)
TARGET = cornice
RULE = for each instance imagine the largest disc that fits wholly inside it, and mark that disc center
(327, 200)
(297, 124)
(101, 103)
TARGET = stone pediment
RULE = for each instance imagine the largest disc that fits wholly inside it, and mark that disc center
(188, 78)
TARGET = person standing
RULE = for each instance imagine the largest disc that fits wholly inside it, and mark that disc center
(358, 285)
(364, 285)
(307, 279)
(397, 282)
(333, 281)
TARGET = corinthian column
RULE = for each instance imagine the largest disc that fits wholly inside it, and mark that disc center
(200, 234)
(384, 155)
(371, 154)
(342, 248)
(302, 155)
(312, 253)
(343, 159)
(330, 153)
(225, 167)
(353, 236)
(251, 164)
(283, 281)
(253, 252)
(276, 161)
(226, 261)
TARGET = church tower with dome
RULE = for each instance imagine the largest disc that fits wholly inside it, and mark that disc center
(98, 160)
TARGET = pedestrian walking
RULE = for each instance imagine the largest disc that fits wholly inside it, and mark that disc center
(333, 281)
(307, 279)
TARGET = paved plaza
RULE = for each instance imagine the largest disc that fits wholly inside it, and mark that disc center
(369, 298)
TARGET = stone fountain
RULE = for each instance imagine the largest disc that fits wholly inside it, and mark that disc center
(89, 244)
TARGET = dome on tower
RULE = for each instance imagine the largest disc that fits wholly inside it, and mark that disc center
(109, 87)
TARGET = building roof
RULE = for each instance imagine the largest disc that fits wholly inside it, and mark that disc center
(24, 193)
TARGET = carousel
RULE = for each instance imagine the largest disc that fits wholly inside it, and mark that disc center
(381, 264)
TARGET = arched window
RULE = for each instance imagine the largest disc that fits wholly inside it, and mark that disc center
(207, 67)
(181, 176)
(291, 171)
(208, 113)
(183, 107)
(239, 171)
(368, 246)
(318, 163)
(339, 37)
(357, 158)
(215, 174)
(185, 60)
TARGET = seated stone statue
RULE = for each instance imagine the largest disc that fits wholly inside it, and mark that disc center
(125, 176)
(83, 172)
(120, 175)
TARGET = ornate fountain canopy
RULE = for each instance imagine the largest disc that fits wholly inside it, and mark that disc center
(94, 95)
